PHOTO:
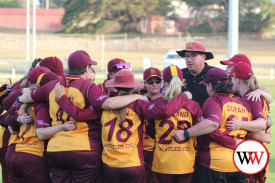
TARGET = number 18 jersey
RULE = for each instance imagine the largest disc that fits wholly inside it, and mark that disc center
(122, 143)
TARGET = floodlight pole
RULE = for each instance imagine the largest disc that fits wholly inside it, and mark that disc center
(233, 27)
(28, 34)
(34, 30)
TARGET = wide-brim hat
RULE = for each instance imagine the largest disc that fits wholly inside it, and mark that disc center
(195, 47)
(124, 79)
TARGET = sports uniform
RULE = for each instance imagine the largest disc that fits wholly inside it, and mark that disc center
(259, 109)
(68, 159)
(28, 162)
(129, 163)
(214, 159)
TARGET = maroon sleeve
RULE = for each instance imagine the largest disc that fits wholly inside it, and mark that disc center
(10, 117)
(223, 138)
(212, 110)
(10, 99)
(95, 96)
(256, 108)
(42, 116)
(75, 112)
(161, 109)
(41, 94)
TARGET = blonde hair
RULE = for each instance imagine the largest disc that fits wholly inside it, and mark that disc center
(122, 111)
(252, 82)
(173, 89)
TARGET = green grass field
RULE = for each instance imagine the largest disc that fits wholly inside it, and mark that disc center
(270, 85)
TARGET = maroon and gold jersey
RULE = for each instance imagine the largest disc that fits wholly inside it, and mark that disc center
(148, 142)
(83, 94)
(29, 142)
(259, 109)
(4, 136)
(122, 143)
(171, 157)
(221, 108)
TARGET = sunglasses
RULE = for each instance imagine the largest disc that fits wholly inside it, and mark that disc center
(152, 81)
(92, 69)
(122, 65)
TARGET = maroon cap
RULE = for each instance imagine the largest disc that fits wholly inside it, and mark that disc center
(170, 71)
(241, 71)
(151, 72)
(46, 77)
(124, 79)
(80, 58)
(236, 59)
(214, 76)
(195, 47)
(35, 73)
(112, 65)
(54, 64)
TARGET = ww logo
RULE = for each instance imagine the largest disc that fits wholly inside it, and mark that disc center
(250, 157)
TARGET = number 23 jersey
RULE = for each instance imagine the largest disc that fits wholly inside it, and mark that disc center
(171, 157)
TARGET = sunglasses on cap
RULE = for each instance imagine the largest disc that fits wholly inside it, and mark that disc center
(122, 65)
(152, 81)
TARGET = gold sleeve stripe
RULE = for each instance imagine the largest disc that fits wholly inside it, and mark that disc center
(39, 78)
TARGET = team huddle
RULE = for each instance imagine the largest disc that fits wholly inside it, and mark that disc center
(174, 126)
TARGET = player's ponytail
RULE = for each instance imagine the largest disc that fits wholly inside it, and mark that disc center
(173, 88)
(122, 111)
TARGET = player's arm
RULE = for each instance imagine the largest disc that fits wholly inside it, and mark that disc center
(260, 136)
(26, 98)
(256, 95)
(48, 132)
(252, 126)
(121, 101)
(74, 111)
(161, 109)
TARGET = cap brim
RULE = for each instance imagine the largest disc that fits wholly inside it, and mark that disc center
(202, 82)
(93, 62)
(227, 62)
(135, 84)
(209, 55)
(151, 76)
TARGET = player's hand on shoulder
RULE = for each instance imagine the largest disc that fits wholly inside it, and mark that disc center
(59, 90)
(188, 94)
(69, 126)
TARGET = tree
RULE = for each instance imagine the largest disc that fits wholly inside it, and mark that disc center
(53, 3)
(254, 15)
(109, 16)
(10, 3)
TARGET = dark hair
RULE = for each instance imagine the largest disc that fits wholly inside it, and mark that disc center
(225, 86)
(77, 71)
